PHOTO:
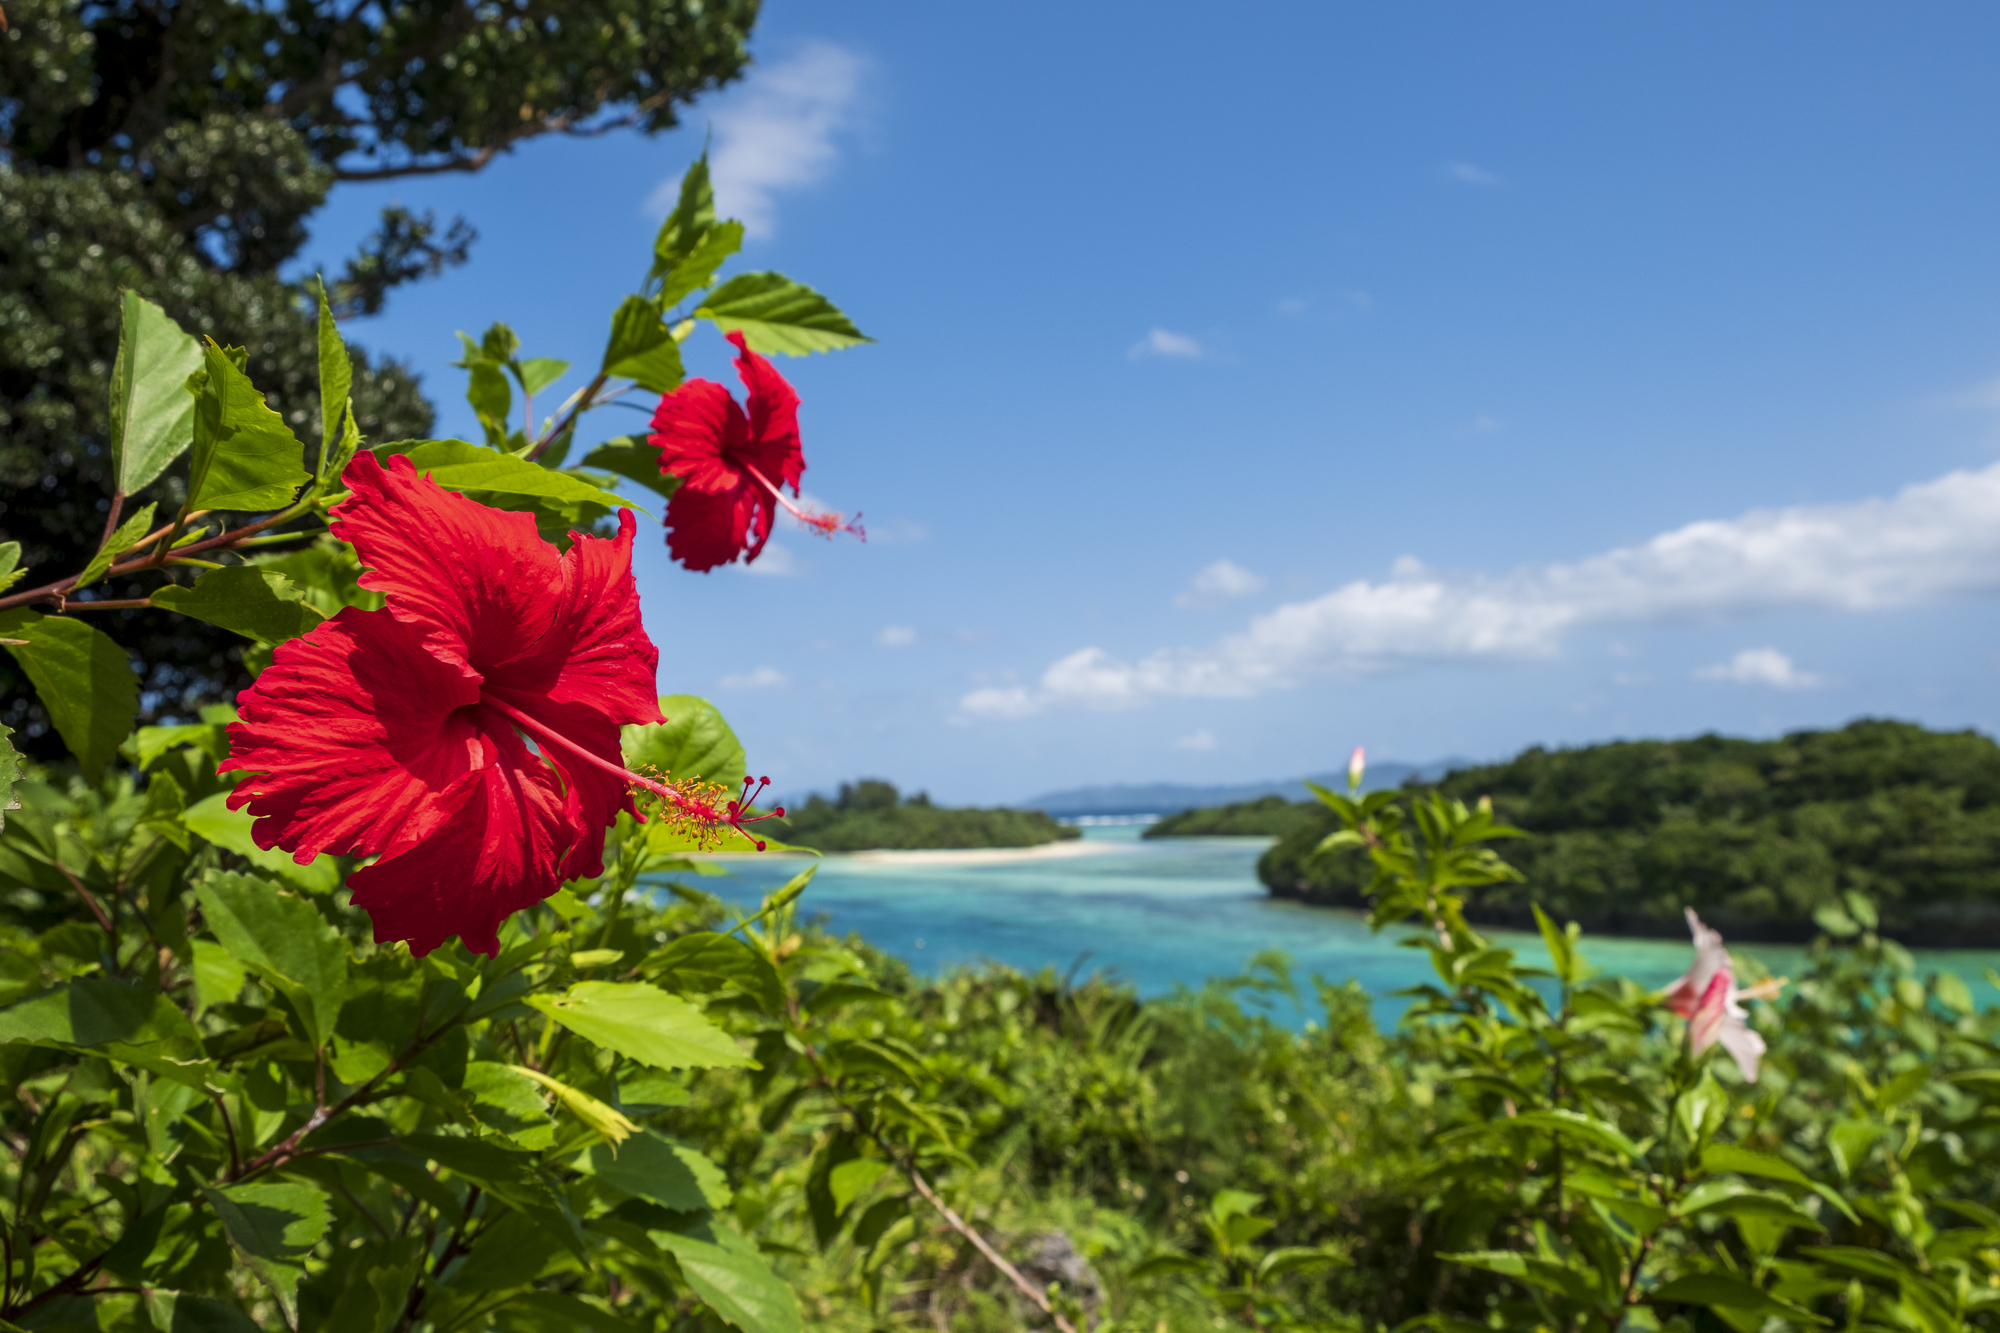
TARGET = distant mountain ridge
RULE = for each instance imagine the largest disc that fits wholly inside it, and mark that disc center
(1166, 798)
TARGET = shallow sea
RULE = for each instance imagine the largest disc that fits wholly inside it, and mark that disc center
(1163, 914)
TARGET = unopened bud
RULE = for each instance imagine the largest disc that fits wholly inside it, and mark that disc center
(1357, 764)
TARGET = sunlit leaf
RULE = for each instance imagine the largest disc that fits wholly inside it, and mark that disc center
(152, 414)
(83, 679)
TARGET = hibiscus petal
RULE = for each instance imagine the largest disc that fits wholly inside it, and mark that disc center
(596, 651)
(500, 855)
(706, 529)
(479, 583)
(696, 428)
(592, 797)
(353, 734)
(1706, 1024)
(1742, 1043)
(773, 446)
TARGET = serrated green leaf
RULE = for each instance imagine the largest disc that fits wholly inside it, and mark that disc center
(694, 742)
(211, 819)
(696, 269)
(245, 457)
(96, 1011)
(642, 348)
(83, 679)
(693, 216)
(643, 1023)
(726, 1271)
(650, 1166)
(152, 417)
(258, 603)
(635, 459)
(776, 314)
(336, 381)
(124, 539)
(850, 1180)
(458, 465)
(273, 1226)
(284, 940)
(219, 975)
(11, 569)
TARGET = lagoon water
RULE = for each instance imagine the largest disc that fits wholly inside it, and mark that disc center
(1159, 915)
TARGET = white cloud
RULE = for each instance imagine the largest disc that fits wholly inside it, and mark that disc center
(1200, 740)
(896, 636)
(1931, 541)
(763, 678)
(1163, 342)
(779, 131)
(776, 562)
(1467, 174)
(1219, 582)
(1762, 666)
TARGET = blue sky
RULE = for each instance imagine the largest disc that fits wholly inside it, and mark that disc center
(1253, 383)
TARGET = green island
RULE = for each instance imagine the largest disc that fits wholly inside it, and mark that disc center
(872, 814)
(1756, 836)
(1265, 817)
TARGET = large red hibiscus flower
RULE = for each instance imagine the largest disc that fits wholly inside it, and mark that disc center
(399, 733)
(733, 465)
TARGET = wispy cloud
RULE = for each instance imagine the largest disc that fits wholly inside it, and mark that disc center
(780, 131)
(776, 562)
(763, 678)
(1934, 540)
(1165, 343)
(1762, 666)
(1200, 740)
(1465, 173)
(1219, 583)
(896, 636)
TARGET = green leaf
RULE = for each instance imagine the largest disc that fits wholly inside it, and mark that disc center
(694, 742)
(336, 381)
(1577, 1284)
(152, 742)
(152, 417)
(1744, 1162)
(693, 216)
(259, 604)
(84, 680)
(652, 1167)
(726, 1271)
(218, 975)
(696, 269)
(568, 1313)
(508, 1175)
(11, 569)
(538, 372)
(283, 939)
(458, 465)
(633, 458)
(1575, 1125)
(1729, 1292)
(274, 1226)
(1165, 1263)
(180, 1312)
(492, 399)
(607, 1121)
(642, 348)
(644, 1023)
(1562, 949)
(211, 818)
(707, 956)
(124, 539)
(245, 457)
(96, 1011)
(1297, 1259)
(850, 1180)
(10, 773)
(1702, 1109)
(776, 314)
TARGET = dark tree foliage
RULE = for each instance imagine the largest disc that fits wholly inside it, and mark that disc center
(1754, 835)
(179, 147)
(872, 813)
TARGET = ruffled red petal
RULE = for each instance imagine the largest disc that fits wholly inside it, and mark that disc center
(501, 854)
(773, 445)
(479, 583)
(710, 528)
(353, 735)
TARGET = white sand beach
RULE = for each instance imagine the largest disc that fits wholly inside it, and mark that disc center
(979, 856)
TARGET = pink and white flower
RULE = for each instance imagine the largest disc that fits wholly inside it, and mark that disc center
(1709, 999)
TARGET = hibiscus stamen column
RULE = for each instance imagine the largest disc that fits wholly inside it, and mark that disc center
(697, 811)
(825, 524)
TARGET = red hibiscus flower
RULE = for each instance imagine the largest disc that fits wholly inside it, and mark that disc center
(398, 733)
(733, 465)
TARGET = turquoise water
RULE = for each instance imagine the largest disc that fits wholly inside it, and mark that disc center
(1162, 914)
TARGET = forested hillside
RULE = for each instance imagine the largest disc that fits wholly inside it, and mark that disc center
(1755, 835)
(872, 814)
